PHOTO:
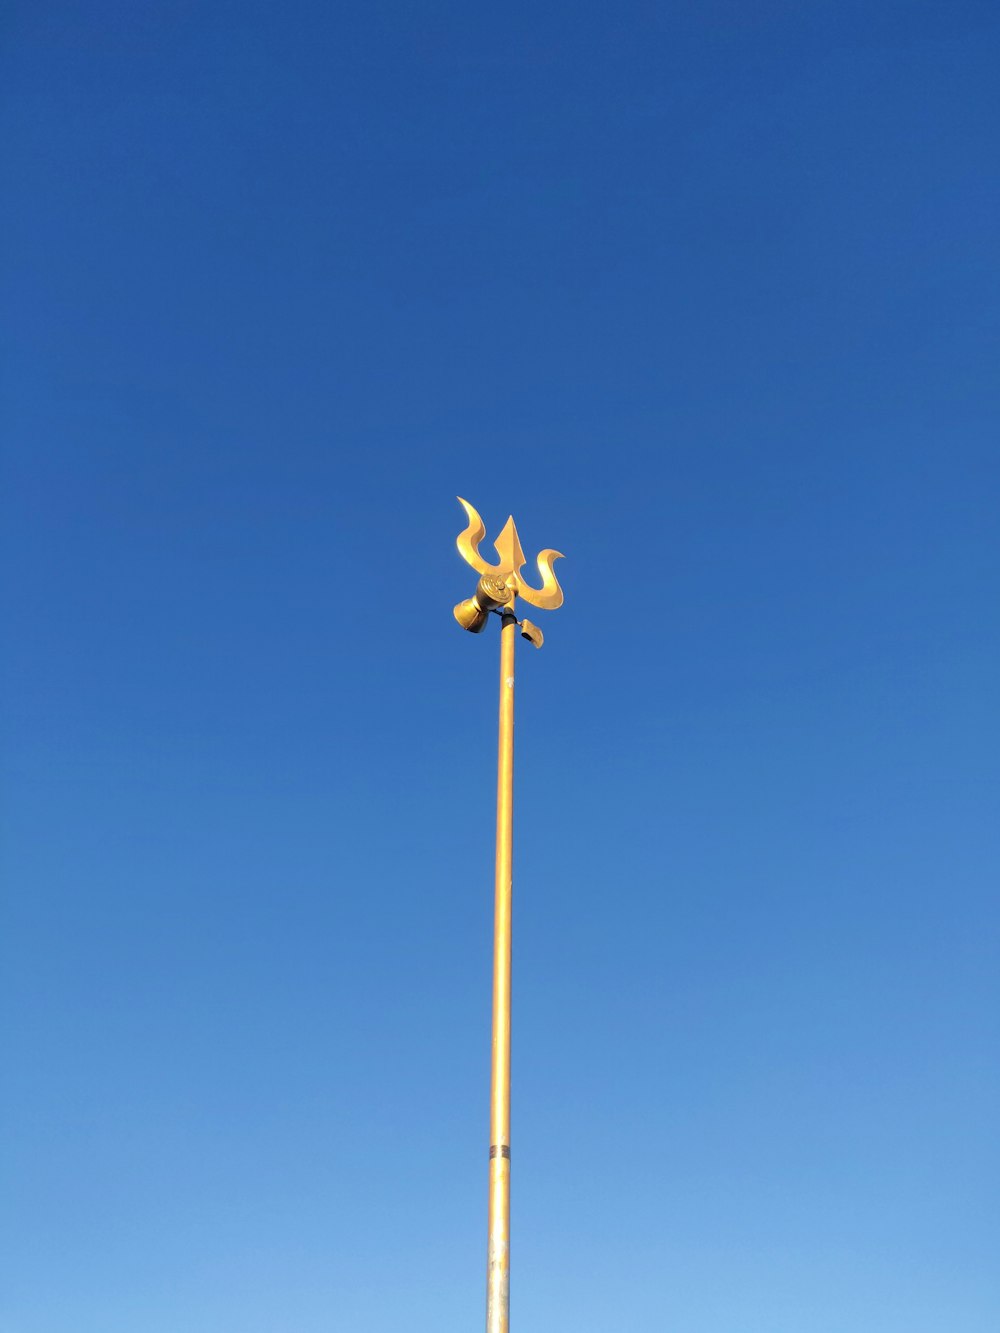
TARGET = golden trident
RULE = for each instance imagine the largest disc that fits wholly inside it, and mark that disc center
(499, 585)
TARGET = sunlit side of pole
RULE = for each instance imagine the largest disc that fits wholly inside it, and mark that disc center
(498, 1241)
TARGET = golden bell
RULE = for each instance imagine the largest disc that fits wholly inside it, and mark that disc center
(471, 616)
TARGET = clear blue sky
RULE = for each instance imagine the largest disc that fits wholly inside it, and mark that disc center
(706, 294)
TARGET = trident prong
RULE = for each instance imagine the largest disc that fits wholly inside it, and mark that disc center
(508, 547)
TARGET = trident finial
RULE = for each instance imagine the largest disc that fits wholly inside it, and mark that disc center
(508, 571)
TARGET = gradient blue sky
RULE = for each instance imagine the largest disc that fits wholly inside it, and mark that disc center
(707, 295)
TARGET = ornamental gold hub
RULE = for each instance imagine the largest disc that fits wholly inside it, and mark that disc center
(491, 593)
(499, 585)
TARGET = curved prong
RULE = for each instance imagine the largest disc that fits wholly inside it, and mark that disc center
(549, 596)
(468, 541)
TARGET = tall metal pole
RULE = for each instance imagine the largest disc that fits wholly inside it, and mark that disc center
(499, 586)
(498, 1244)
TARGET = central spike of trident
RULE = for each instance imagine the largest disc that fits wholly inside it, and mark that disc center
(498, 587)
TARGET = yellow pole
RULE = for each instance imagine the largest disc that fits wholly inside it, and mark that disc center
(497, 589)
(498, 1248)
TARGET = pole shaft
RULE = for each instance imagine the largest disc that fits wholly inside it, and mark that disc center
(498, 1249)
